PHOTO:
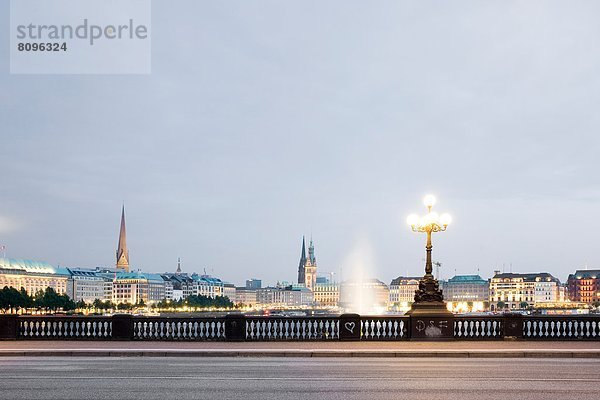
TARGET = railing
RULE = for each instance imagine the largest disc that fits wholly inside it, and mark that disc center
(64, 328)
(156, 328)
(384, 328)
(562, 327)
(343, 327)
(478, 327)
(291, 328)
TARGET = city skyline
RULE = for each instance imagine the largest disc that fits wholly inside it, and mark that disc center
(227, 155)
(122, 263)
(307, 199)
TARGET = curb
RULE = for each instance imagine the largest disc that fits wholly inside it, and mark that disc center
(305, 353)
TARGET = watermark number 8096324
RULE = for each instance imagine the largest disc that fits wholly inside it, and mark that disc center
(26, 46)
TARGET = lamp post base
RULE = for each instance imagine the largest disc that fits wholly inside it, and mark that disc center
(432, 308)
(429, 299)
(431, 320)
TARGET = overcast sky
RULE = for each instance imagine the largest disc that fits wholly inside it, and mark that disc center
(263, 121)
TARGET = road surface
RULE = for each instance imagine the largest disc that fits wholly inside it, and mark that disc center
(184, 378)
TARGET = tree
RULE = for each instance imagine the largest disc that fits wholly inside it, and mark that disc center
(11, 299)
(66, 303)
(501, 305)
(98, 304)
(26, 299)
(205, 301)
(223, 302)
(103, 305)
(50, 300)
(524, 304)
(164, 303)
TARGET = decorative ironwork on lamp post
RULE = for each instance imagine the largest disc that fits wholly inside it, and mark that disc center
(429, 296)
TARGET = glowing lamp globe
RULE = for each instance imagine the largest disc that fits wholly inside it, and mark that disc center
(429, 200)
(445, 219)
(412, 220)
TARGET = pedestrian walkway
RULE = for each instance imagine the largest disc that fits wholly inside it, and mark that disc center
(516, 349)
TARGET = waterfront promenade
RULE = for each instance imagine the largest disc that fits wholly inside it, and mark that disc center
(473, 349)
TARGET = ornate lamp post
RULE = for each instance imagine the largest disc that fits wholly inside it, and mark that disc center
(429, 298)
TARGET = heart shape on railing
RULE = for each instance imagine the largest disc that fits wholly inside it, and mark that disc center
(350, 326)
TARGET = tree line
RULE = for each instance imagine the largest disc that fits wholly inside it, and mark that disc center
(12, 300)
(195, 301)
(192, 301)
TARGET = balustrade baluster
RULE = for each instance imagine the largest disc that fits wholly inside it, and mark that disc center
(294, 329)
(379, 328)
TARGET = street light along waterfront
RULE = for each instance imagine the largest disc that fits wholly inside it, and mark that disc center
(429, 298)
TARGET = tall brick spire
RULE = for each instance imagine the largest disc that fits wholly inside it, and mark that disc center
(122, 252)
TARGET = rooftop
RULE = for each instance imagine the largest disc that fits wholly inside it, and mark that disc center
(206, 278)
(83, 272)
(585, 274)
(30, 266)
(527, 277)
(405, 278)
(123, 276)
(467, 279)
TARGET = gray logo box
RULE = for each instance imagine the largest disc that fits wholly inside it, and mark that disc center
(80, 37)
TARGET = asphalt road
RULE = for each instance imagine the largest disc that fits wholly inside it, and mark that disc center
(279, 378)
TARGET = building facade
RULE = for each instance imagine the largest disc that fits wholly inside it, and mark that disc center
(86, 285)
(467, 293)
(466, 288)
(293, 297)
(402, 291)
(245, 296)
(168, 288)
(584, 286)
(181, 285)
(109, 284)
(33, 276)
(518, 291)
(138, 287)
(253, 283)
(285, 296)
(265, 295)
(229, 291)
(327, 294)
(208, 286)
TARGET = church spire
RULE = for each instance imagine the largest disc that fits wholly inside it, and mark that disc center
(311, 252)
(122, 252)
(302, 262)
(178, 266)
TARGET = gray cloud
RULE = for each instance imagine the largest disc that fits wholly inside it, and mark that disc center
(262, 121)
